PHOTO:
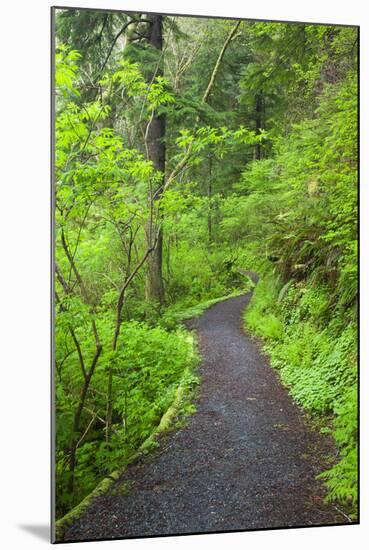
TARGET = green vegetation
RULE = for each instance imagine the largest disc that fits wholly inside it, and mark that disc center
(189, 152)
(306, 308)
(314, 350)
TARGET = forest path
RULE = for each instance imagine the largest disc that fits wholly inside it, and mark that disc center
(246, 460)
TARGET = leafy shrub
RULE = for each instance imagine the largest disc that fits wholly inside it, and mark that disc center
(260, 319)
(342, 479)
(314, 349)
(148, 367)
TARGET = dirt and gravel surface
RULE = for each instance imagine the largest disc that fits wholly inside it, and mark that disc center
(247, 458)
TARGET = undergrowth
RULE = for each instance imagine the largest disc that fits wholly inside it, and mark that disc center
(313, 347)
(148, 371)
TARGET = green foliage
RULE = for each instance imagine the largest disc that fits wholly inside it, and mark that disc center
(148, 366)
(65, 69)
(130, 77)
(307, 212)
(219, 140)
(315, 354)
(342, 478)
(101, 198)
(259, 317)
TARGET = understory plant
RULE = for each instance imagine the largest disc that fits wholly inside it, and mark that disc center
(314, 351)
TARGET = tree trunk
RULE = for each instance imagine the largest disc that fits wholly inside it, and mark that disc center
(156, 153)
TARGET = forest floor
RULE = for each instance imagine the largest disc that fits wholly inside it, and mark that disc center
(247, 459)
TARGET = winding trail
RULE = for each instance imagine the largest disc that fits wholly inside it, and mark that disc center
(246, 460)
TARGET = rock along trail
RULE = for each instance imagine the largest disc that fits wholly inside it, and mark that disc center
(246, 459)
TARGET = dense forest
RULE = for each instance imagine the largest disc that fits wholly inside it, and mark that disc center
(190, 151)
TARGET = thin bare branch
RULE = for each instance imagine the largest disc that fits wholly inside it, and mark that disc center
(183, 163)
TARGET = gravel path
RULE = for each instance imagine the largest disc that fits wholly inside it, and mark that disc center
(246, 460)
